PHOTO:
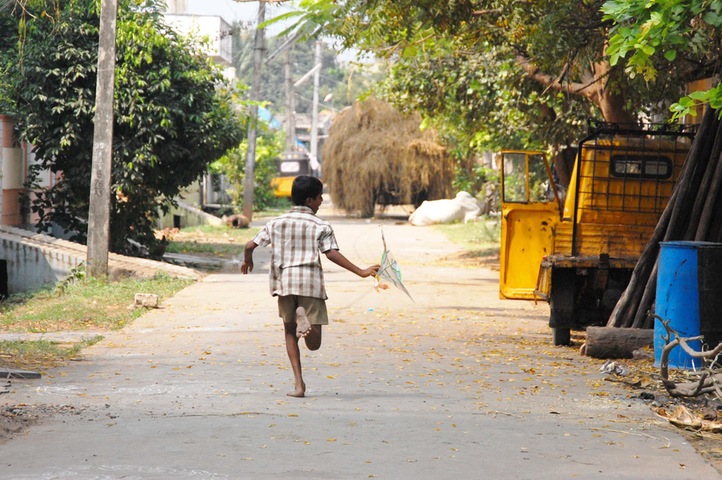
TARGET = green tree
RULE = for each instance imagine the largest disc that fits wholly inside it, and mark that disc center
(654, 36)
(545, 62)
(173, 112)
(269, 146)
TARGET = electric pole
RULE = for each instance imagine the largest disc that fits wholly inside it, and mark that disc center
(290, 102)
(314, 113)
(258, 48)
(99, 209)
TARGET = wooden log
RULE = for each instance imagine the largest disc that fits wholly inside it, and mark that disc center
(693, 171)
(705, 222)
(611, 342)
(629, 310)
(698, 181)
(705, 166)
(648, 298)
(708, 166)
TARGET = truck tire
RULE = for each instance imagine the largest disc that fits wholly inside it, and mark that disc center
(562, 336)
(562, 305)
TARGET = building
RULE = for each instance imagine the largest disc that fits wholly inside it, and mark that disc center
(15, 160)
(216, 35)
(214, 31)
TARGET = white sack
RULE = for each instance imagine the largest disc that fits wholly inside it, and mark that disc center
(462, 207)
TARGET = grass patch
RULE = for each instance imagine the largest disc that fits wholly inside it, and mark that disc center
(38, 354)
(210, 241)
(480, 240)
(81, 305)
(89, 304)
(482, 234)
(284, 205)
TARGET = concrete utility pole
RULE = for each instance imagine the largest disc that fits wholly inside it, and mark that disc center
(99, 210)
(314, 114)
(290, 103)
(258, 48)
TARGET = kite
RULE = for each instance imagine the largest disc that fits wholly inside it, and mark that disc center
(389, 271)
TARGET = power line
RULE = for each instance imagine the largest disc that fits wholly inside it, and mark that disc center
(325, 105)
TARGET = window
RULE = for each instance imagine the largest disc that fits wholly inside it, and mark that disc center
(526, 179)
(290, 167)
(514, 165)
(640, 166)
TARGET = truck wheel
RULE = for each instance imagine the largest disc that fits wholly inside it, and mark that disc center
(562, 336)
(562, 305)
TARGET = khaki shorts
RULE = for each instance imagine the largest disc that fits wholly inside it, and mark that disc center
(315, 309)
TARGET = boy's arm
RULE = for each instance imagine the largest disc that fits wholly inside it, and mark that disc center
(337, 257)
(247, 265)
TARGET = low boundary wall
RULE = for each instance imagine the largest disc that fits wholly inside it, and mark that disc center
(34, 260)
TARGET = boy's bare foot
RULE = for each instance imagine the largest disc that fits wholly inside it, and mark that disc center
(303, 326)
(299, 391)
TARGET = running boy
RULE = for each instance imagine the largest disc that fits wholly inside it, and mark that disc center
(296, 275)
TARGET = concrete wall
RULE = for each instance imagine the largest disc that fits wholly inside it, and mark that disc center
(35, 261)
(185, 215)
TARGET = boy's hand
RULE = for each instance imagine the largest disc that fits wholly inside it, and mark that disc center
(370, 271)
(246, 266)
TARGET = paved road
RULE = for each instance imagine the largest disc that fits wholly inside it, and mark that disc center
(457, 384)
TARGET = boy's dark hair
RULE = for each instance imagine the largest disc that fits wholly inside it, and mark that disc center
(305, 187)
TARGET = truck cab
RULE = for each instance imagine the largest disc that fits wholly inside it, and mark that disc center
(577, 251)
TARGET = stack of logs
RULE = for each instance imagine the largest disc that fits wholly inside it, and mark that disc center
(689, 215)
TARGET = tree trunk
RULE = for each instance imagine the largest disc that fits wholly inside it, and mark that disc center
(605, 342)
(593, 86)
(611, 104)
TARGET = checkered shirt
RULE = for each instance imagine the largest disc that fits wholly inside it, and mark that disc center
(296, 238)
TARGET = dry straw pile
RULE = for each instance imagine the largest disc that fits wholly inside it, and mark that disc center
(375, 154)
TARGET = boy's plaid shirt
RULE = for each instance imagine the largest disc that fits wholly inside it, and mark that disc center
(296, 238)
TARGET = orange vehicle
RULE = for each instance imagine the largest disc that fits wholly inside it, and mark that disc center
(578, 253)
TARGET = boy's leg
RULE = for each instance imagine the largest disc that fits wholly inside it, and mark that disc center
(303, 324)
(313, 311)
(294, 355)
(287, 311)
(310, 333)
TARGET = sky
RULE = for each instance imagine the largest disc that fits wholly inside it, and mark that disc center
(247, 13)
(234, 11)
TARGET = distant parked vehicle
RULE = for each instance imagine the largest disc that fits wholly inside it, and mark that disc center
(289, 166)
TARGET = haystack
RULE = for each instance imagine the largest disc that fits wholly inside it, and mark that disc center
(376, 155)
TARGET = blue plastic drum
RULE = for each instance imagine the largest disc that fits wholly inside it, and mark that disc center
(689, 290)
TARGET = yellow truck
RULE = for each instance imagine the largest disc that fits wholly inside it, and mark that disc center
(576, 247)
(288, 167)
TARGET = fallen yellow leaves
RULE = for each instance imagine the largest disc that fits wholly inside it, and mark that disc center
(681, 417)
